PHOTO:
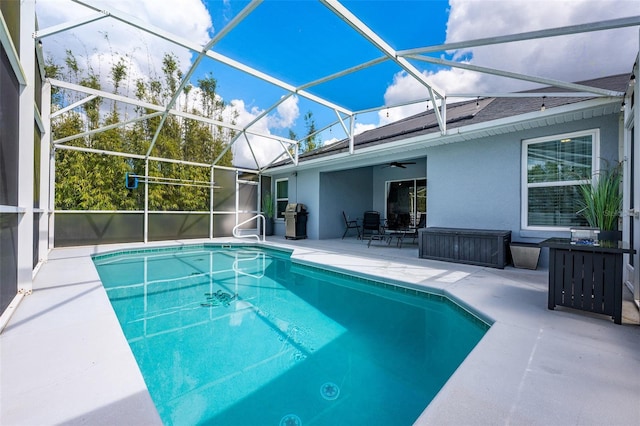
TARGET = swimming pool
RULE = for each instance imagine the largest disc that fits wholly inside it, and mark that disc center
(242, 335)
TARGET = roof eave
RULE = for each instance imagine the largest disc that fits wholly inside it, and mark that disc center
(582, 110)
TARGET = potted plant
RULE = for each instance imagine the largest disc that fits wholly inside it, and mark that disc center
(267, 211)
(601, 202)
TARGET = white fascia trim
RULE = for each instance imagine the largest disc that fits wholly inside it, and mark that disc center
(455, 135)
(533, 116)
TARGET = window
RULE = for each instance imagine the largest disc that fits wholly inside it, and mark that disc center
(406, 202)
(282, 197)
(553, 169)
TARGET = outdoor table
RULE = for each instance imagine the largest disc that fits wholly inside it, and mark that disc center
(585, 276)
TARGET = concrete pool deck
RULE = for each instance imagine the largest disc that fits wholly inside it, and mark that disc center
(64, 359)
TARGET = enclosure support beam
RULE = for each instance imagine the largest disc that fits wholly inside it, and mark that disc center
(382, 45)
(26, 179)
(211, 205)
(352, 137)
(146, 202)
(631, 21)
(70, 25)
(73, 105)
(518, 76)
(12, 53)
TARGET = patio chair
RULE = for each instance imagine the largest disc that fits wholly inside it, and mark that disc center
(371, 229)
(422, 223)
(350, 224)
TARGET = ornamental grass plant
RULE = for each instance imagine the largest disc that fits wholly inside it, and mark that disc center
(267, 205)
(601, 201)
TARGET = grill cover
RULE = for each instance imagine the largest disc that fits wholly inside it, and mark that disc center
(295, 219)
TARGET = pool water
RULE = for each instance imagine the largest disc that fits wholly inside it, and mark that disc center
(244, 336)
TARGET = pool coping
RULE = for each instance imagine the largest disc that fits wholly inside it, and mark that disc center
(534, 366)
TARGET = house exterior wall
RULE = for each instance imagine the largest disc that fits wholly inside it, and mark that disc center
(303, 188)
(347, 190)
(351, 191)
(473, 184)
(477, 184)
(327, 194)
(383, 174)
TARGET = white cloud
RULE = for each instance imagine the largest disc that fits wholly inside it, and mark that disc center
(362, 127)
(264, 149)
(568, 58)
(331, 141)
(98, 43)
(405, 89)
(286, 113)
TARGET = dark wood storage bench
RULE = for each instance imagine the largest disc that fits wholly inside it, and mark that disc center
(474, 246)
(586, 277)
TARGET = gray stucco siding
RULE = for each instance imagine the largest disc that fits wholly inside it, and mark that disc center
(477, 184)
(472, 184)
(348, 190)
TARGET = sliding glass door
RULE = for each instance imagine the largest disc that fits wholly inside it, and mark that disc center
(406, 201)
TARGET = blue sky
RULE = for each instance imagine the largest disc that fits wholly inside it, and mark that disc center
(301, 41)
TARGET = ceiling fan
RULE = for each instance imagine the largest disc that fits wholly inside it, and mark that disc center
(400, 164)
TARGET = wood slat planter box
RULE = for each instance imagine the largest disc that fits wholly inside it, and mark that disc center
(588, 278)
(473, 246)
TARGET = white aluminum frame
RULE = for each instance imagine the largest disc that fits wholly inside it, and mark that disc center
(524, 193)
(437, 96)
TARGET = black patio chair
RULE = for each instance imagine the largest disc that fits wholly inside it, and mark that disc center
(350, 224)
(371, 228)
(422, 223)
(371, 223)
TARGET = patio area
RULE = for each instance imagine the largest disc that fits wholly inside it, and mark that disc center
(64, 359)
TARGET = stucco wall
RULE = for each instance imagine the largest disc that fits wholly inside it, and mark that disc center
(382, 174)
(303, 188)
(477, 184)
(348, 190)
(473, 184)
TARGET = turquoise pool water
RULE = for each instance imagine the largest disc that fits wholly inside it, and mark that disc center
(244, 336)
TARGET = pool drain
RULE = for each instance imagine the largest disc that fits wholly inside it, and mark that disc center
(290, 420)
(330, 391)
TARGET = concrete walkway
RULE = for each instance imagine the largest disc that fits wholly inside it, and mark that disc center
(64, 359)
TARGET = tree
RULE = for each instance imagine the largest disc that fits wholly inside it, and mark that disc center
(88, 181)
(312, 140)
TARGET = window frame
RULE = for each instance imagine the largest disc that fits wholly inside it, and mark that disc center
(280, 214)
(416, 211)
(525, 185)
